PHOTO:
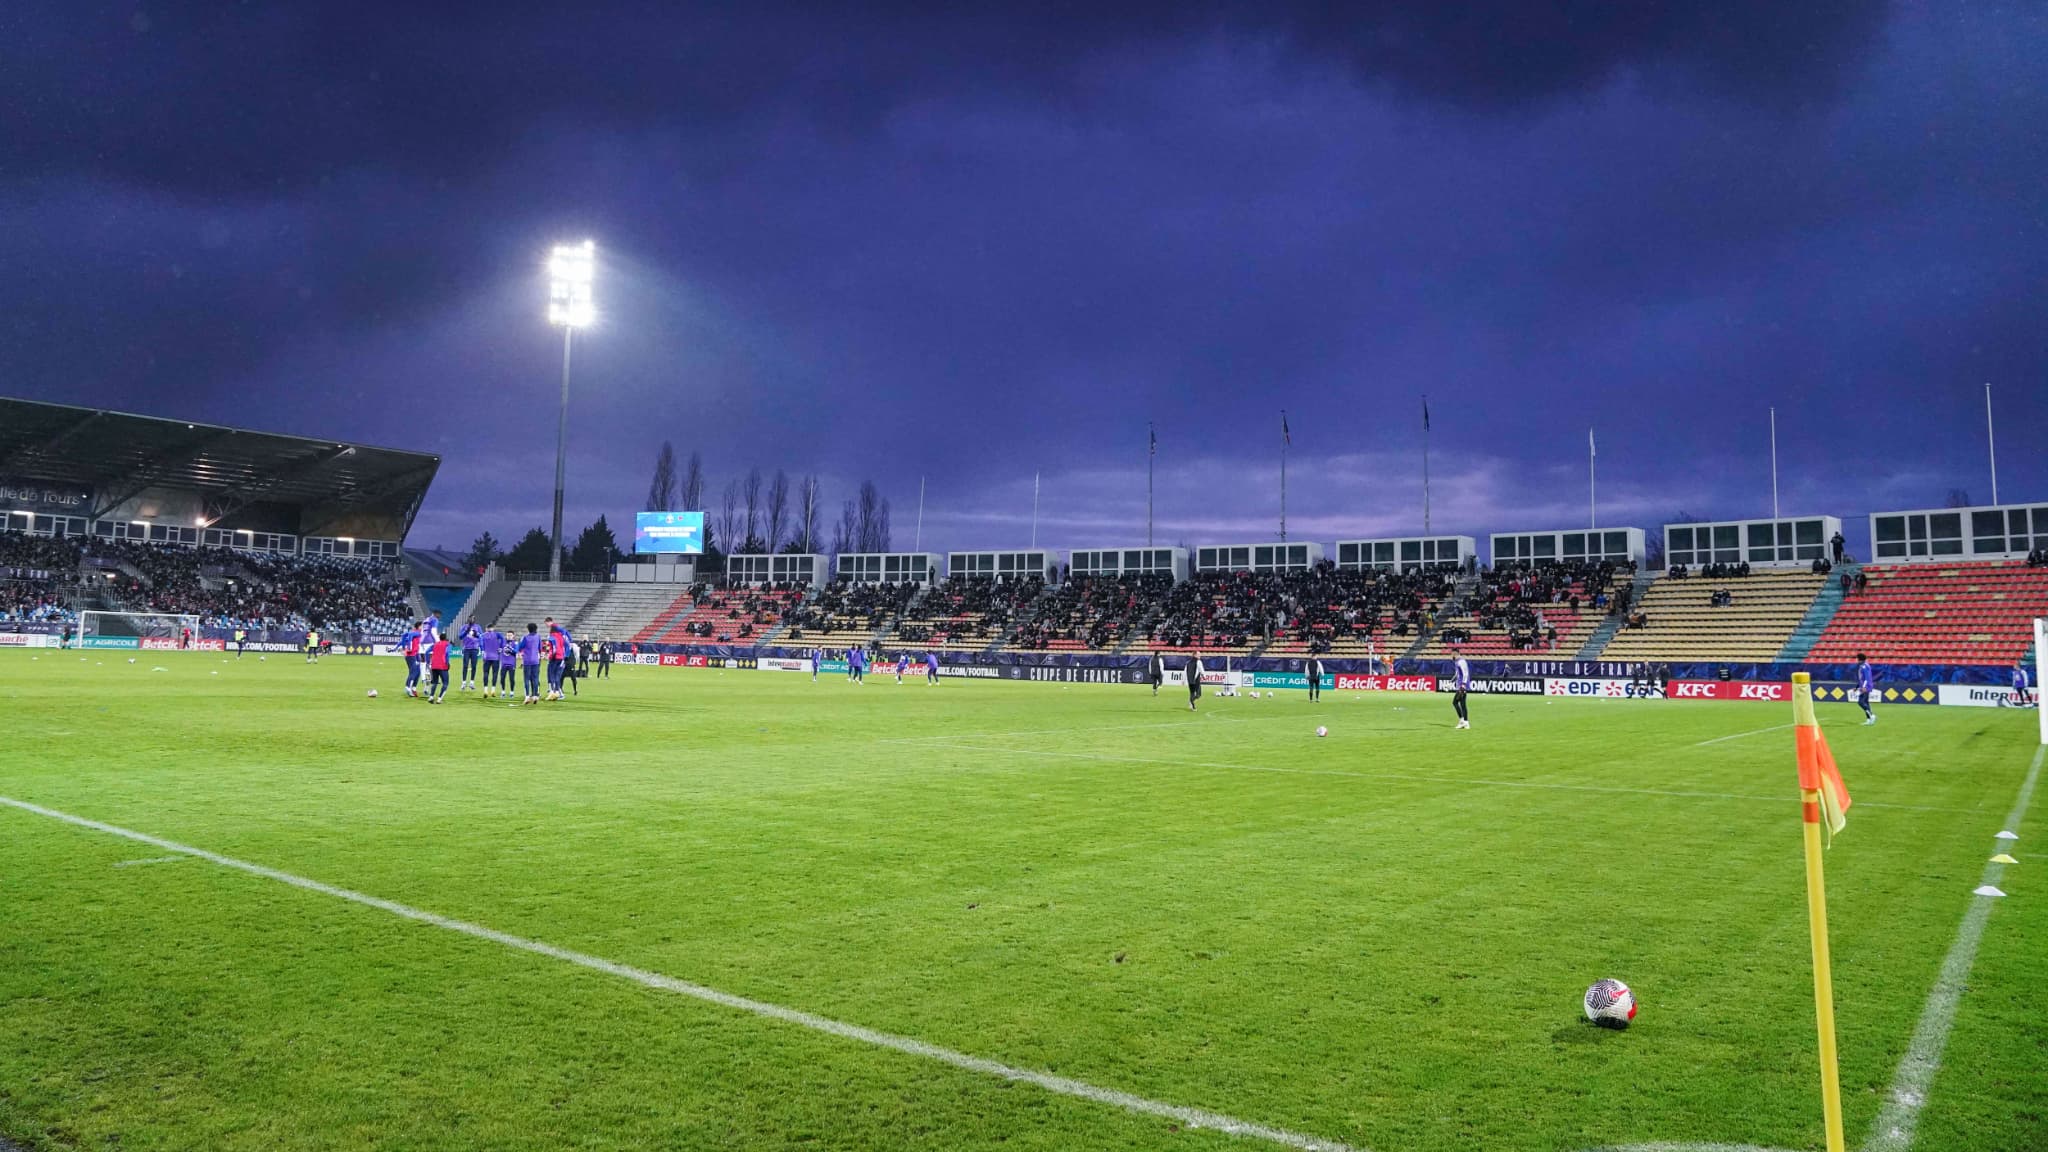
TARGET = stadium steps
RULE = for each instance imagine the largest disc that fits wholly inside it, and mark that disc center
(1453, 606)
(475, 601)
(1605, 633)
(1024, 612)
(491, 601)
(1818, 616)
(417, 601)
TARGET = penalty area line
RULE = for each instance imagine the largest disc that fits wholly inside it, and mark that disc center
(1060, 1085)
(1898, 1118)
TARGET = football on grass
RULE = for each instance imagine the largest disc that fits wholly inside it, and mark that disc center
(1322, 731)
(373, 693)
(1610, 1004)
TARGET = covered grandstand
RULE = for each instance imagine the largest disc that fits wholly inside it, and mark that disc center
(111, 511)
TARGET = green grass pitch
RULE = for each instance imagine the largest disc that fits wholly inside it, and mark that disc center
(1379, 938)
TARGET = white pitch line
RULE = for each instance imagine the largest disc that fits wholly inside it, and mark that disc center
(151, 860)
(1185, 1116)
(960, 743)
(1740, 735)
(1896, 1121)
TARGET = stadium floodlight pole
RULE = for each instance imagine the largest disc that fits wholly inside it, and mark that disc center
(1991, 438)
(571, 268)
(1774, 464)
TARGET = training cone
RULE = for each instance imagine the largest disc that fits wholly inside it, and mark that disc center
(2007, 836)
(2002, 858)
(1987, 890)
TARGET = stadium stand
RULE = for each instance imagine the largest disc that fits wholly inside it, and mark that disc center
(1090, 613)
(1679, 619)
(36, 577)
(621, 610)
(536, 600)
(1544, 613)
(728, 615)
(1979, 612)
(964, 614)
(1352, 614)
(845, 615)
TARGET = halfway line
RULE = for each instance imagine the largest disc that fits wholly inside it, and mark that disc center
(1188, 1117)
(1893, 1129)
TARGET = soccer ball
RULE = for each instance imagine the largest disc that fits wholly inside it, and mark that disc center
(1321, 731)
(373, 693)
(1610, 1004)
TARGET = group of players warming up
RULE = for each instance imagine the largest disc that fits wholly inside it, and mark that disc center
(509, 662)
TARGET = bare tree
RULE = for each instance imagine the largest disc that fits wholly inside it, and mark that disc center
(869, 519)
(846, 533)
(729, 518)
(778, 510)
(750, 496)
(807, 510)
(693, 484)
(661, 491)
(1958, 498)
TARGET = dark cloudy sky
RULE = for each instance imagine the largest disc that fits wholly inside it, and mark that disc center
(867, 240)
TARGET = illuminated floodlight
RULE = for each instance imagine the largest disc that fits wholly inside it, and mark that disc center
(571, 270)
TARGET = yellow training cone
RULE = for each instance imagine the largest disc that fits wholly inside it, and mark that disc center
(2002, 858)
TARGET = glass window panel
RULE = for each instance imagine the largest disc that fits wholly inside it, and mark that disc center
(1891, 528)
(1726, 537)
(1945, 526)
(1989, 524)
(1411, 551)
(1617, 544)
(1575, 544)
(1678, 538)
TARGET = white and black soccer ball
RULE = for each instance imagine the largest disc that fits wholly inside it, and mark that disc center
(1610, 1004)
(1321, 731)
(373, 696)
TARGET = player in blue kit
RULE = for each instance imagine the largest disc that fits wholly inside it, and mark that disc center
(1866, 683)
(931, 668)
(409, 645)
(817, 660)
(902, 665)
(472, 642)
(2019, 686)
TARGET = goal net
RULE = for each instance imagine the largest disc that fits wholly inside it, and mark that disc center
(109, 628)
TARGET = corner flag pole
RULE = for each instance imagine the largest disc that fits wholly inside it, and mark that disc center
(1817, 916)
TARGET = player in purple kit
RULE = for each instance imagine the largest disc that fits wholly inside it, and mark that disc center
(491, 644)
(902, 665)
(931, 668)
(1463, 680)
(508, 663)
(529, 662)
(1866, 683)
(2019, 686)
(817, 659)
(472, 637)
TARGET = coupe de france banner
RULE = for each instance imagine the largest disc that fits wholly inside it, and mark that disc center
(668, 532)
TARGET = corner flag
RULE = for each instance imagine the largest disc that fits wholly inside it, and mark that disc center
(1817, 771)
(1821, 793)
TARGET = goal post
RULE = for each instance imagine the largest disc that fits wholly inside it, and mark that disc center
(2040, 665)
(107, 629)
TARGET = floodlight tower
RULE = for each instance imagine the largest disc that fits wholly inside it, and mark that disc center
(571, 268)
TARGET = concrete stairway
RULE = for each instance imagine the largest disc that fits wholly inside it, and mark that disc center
(1825, 604)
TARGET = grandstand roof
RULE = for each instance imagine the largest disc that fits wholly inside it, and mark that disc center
(328, 487)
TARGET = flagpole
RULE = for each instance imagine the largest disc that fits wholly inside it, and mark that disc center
(1817, 928)
(919, 545)
(1283, 475)
(1991, 438)
(1425, 463)
(1774, 463)
(1034, 509)
(1151, 456)
(1592, 482)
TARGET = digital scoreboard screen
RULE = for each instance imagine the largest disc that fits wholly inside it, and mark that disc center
(668, 532)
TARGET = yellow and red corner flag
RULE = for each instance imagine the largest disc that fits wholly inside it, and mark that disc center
(1821, 795)
(1817, 771)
